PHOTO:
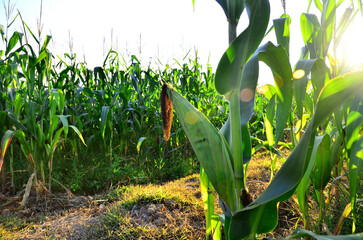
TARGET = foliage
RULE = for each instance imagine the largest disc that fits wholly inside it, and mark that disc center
(223, 153)
(93, 128)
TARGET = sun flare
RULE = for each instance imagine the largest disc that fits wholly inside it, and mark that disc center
(350, 49)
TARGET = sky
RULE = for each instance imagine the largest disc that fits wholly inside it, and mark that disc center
(152, 30)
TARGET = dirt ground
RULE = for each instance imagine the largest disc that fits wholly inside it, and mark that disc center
(62, 216)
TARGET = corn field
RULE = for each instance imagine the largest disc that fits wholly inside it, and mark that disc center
(67, 127)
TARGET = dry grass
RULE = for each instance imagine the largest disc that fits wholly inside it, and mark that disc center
(169, 211)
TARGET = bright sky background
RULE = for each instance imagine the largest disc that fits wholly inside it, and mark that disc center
(168, 29)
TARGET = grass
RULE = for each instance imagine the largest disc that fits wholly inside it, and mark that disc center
(171, 210)
(167, 211)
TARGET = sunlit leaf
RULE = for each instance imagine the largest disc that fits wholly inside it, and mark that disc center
(229, 70)
(139, 142)
(5, 142)
(210, 147)
(355, 173)
(261, 215)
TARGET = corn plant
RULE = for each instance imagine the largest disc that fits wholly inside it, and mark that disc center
(223, 153)
(33, 109)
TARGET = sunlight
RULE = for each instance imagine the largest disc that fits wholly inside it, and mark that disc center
(298, 74)
(350, 49)
(262, 89)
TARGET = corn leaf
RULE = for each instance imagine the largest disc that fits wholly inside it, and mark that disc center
(232, 8)
(282, 31)
(15, 38)
(2, 32)
(355, 173)
(65, 124)
(207, 191)
(320, 174)
(209, 146)
(302, 189)
(139, 142)
(5, 142)
(46, 42)
(310, 31)
(276, 58)
(300, 233)
(319, 5)
(328, 24)
(302, 70)
(78, 133)
(104, 116)
(261, 215)
(354, 121)
(229, 71)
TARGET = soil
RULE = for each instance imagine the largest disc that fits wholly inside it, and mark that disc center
(64, 216)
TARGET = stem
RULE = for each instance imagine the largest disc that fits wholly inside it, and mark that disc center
(237, 144)
(273, 164)
(232, 32)
(320, 216)
(12, 168)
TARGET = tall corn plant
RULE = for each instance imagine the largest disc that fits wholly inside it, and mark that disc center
(34, 110)
(223, 153)
(322, 39)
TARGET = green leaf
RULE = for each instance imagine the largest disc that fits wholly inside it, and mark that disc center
(25, 147)
(302, 70)
(78, 133)
(56, 140)
(104, 116)
(354, 121)
(276, 58)
(268, 90)
(268, 121)
(46, 42)
(2, 32)
(309, 23)
(282, 31)
(261, 215)
(328, 24)
(303, 187)
(5, 142)
(319, 77)
(138, 146)
(207, 191)
(41, 56)
(355, 173)
(320, 174)
(232, 8)
(229, 71)
(337, 90)
(300, 233)
(246, 144)
(12, 42)
(210, 147)
(64, 121)
(34, 37)
(310, 29)
(319, 5)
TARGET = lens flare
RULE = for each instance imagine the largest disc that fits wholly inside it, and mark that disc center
(246, 95)
(191, 117)
(279, 81)
(263, 89)
(298, 74)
